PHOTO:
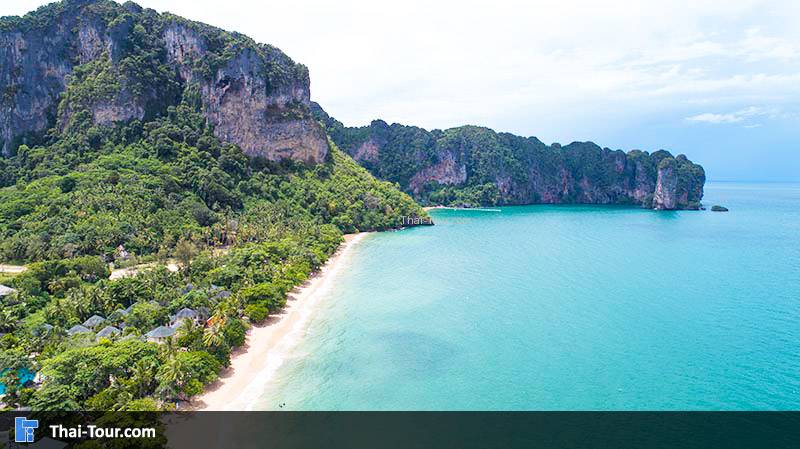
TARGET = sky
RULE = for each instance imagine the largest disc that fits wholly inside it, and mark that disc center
(716, 80)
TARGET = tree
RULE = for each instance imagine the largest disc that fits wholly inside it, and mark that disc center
(189, 335)
(10, 379)
(256, 312)
(185, 373)
(143, 375)
(141, 405)
(185, 251)
(55, 397)
(170, 377)
(267, 294)
(114, 397)
(145, 316)
(214, 336)
(235, 332)
(8, 319)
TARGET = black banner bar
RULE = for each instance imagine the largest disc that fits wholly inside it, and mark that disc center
(437, 430)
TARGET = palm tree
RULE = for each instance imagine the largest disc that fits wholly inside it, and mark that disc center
(213, 335)
(77, 304)
(170, 378)
(186, 327)
(7, 320)
(143, 374)
(97, 299)
(188, 333)
(120, 392)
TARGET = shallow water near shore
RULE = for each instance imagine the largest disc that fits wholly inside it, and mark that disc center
(564, 308)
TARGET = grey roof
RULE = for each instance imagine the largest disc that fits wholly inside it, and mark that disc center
(160, 332)
(94, 320)
(130, 308)
(5, 291)
(222, 294)
(43, 329)
(78, 329)
(108, 331)
(122, 312)
(186, 313)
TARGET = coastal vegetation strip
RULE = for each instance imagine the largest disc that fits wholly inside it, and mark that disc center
(268, 344)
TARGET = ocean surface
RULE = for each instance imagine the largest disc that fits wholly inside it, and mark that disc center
(564, 308)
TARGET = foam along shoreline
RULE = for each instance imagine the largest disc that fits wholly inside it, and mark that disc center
(268, 344)
(474, 209)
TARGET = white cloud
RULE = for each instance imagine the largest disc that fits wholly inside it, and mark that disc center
(736, 117)
(708, 117)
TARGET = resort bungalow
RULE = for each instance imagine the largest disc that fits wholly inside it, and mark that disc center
(118, 314)
(78, 329)
(185, 313)
(44, 329)
(5, 291)
(203, 312)
(94, 321)
(108, 332)
(220, 295)
(160, 334)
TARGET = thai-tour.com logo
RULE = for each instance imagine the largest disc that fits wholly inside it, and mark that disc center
(24, 428)
(24, 431)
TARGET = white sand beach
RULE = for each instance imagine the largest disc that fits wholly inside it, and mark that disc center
(268, 344)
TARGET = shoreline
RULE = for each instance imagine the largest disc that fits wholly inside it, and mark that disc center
(477, 209)
(254, 364)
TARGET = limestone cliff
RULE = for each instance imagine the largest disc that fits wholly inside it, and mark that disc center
(471, 166)
(95, 62)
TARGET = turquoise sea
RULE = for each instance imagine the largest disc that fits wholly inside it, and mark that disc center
(565, 308)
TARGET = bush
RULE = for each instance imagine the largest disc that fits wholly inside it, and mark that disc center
(142, 405)
(268, 294)
(256, 312)
(235, 332)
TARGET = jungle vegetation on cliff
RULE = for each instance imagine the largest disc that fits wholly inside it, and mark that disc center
(475, 166)
(127, 168)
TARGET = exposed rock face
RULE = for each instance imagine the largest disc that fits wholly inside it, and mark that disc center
(476, 166)
(32, 75)
(264, 113)
(665, 195)
(367, 151)
(254, 95)
(446, 171)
